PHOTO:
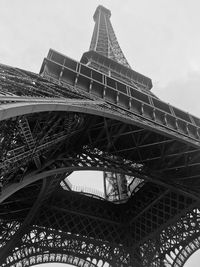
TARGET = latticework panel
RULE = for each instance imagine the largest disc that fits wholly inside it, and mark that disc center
(104, 40)
(77, 118)
(42, 241)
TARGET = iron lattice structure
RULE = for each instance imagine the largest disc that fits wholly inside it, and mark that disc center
(96, 114)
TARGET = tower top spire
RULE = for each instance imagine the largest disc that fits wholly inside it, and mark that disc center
(106, 55)
(104, 40)
(101, 9)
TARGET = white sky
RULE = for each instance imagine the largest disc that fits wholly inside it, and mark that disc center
(160, 39)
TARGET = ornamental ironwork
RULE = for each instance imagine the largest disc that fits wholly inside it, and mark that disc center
(97, 114)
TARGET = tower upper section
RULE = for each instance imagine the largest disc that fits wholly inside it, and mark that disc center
(103, 10)
(104, 40)
(105, 56)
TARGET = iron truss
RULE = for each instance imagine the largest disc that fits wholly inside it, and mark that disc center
(72, 117)
(40, 221)
(104, 40)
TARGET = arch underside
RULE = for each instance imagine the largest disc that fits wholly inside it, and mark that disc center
(176, 243)
(187, 251)
(42, 246)
(62, 247)
(28, 258)
(48, 139)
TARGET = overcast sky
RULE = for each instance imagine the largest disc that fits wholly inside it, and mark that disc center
(160, 39)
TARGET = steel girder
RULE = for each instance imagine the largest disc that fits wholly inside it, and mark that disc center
(84, 132)
(80, 218)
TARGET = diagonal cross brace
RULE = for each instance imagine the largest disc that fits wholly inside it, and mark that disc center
(24, 125)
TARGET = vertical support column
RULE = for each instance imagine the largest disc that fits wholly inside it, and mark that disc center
(115, 187)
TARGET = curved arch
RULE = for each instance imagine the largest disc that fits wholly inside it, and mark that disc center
(11, 110)
(186, 252)
(18, 109)
(34, 259)
(69, 248)
(8, 191)
(11, 242)
(90, 165)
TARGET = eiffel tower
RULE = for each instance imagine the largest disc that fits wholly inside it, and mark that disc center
(96, 114)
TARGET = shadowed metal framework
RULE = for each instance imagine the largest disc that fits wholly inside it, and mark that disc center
(96, 114)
